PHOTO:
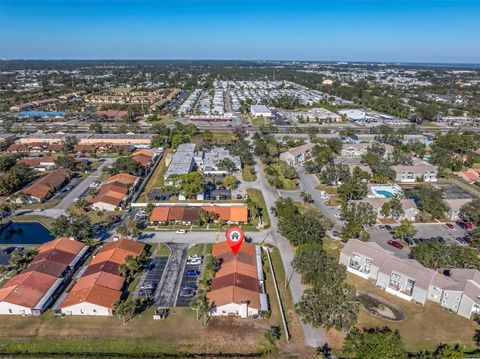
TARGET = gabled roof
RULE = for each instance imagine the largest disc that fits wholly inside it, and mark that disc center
(159, 214)
(47, 183)
(46, 266)
(122, 177)
(222, 248)
(101, 296)
(106, 266)
(103, 279)
(234, 294)
(132, 246)
(64, 244)
(55, 255)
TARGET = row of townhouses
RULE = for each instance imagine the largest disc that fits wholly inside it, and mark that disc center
(457, 290)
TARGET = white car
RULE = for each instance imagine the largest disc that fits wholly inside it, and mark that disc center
(194, 262)
(181, 231)
(195, 257)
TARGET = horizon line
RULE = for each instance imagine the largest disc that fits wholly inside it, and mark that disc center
(245, 60)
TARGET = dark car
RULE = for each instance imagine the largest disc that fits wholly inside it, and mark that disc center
(239, 196)
(395, 244)
(192, 273)
(461, 225)
(449, 225)
(388, 228)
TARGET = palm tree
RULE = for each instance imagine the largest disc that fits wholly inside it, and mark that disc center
(200, 305)
(306, 197)
(125, 310)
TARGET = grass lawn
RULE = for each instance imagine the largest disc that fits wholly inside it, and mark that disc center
(95, 216)
(161, 250)
(46, 221)
(142, 337)
(248, 174)
(157, 178)
(256, 196)
(197, 249)
(328, 189)
(425, 328)
(293, 322)
(47, 205)
(258, 121)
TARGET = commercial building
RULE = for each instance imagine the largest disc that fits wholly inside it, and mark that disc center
(260, 110)
(237, 289)
(457, 290)
(419, 170)
(101, 285)
(181, 163)
(208, 161)
(354, 115)
(34, 289)
(88, 138)
(297, 155)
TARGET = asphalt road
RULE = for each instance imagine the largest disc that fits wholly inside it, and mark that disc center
(76, 192)
(167, 292)
(313, 337)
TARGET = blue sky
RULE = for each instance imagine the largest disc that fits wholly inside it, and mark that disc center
(355, 30)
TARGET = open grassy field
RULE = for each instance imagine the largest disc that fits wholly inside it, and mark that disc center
(425, 327)
(256, 196)
(179, 334)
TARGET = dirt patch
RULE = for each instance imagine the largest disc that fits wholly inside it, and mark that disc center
(381, 308)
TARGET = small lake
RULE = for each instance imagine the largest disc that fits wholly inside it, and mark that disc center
(25, 233)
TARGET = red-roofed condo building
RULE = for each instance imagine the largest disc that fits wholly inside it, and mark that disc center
(37, 286)
(237, 288)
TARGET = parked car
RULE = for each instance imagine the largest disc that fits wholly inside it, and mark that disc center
(468, 225)
(194, 257)
(194, 262)
(187, 293)
(461, 225)
(395, 244)
(239, 196)
(381, 227)
(180, 231)
(450, 226)
(388, 228)
(336, 234)
(192, 273)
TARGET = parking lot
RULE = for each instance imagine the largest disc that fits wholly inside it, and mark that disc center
(188, 282)
(154, 274)
(167, 290)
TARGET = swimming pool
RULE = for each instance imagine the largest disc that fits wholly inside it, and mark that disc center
(385, 194)
(385, 191)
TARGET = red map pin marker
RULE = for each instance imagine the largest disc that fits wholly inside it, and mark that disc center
(235, 237)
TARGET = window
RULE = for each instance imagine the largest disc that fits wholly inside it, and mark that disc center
(355, 261)
(10, 311)
(368, 263)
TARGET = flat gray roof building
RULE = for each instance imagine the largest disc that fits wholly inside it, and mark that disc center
(182, 161)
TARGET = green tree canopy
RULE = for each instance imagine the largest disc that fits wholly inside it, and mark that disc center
(374, 343)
